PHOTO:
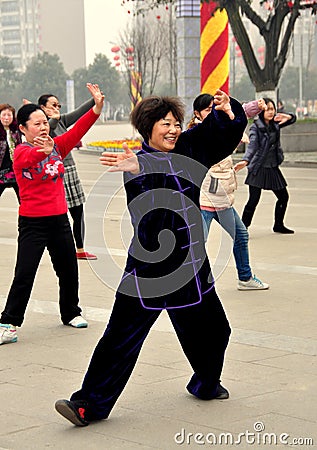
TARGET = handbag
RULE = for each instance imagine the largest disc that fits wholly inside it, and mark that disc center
(7, 176)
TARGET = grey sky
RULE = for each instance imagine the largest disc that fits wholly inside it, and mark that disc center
(103, 21)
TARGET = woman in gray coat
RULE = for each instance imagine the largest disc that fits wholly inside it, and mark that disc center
(263, 157)
(59, 123)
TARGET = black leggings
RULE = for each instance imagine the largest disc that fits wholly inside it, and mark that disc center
(36, 234)
(254, 198)
(77, 213)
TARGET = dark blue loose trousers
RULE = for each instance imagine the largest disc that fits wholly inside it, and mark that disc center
(203, 332)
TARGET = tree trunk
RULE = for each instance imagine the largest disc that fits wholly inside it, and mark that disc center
(264, 78)
(267, 93)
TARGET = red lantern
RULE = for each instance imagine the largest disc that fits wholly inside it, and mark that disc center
(130, 58)
(129, 50)
(116, 58)
(117, 64)
(115, 49)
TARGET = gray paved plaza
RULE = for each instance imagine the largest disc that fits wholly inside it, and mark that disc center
(270, 368)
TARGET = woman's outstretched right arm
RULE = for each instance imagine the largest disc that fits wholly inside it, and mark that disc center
(125, 161)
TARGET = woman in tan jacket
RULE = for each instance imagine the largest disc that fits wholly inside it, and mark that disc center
(217, 198)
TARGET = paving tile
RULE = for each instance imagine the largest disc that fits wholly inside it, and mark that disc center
(270, 366)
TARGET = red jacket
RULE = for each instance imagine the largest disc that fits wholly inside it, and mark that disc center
(40, 176)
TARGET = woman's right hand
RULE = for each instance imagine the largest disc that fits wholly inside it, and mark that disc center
(240, 165)
(125, 161)
(52, 112)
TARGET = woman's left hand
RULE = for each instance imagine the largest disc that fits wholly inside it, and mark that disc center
(97, 95)
(52, 112)
(281, 118)
(222, 102)
(46, 143)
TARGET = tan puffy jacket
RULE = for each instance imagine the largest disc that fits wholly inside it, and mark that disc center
(217, 189)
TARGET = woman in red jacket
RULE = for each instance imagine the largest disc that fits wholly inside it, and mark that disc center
(43, 221)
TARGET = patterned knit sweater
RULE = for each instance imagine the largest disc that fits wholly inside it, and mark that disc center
(40, 176)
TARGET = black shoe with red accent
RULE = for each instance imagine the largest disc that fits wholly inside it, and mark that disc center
(73, 410)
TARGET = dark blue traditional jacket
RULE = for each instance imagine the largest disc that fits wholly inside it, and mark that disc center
(167, 265)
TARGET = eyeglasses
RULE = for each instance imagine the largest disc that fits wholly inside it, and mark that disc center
(56, 105)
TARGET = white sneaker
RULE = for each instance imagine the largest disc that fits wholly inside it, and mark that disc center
(78, 322)
(253, 284)
(8, 333)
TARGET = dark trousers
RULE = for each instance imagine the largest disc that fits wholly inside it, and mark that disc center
(35, 234)
(254, 198)
(77, 214)
(203, 332)
(11, 185)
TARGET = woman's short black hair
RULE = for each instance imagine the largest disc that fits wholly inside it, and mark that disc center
(202, 101)
(25, 111)
(44, 99)
(151, 109)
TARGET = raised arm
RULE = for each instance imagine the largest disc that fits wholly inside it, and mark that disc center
(217, 136)
(71, 117)
(285, 119)
(68, 140)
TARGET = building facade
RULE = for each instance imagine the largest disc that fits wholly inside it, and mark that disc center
(30, 27)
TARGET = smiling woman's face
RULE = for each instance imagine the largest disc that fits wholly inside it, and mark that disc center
(165, 133)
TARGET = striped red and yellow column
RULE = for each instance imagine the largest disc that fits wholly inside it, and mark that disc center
(214, 49)
(136, 84)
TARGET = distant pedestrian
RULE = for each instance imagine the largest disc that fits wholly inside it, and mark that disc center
(10, 137)
(43, 220)
(263, 157)
(280, 107)
(75, 196)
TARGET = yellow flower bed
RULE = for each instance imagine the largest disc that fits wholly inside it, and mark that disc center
(115, 145)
